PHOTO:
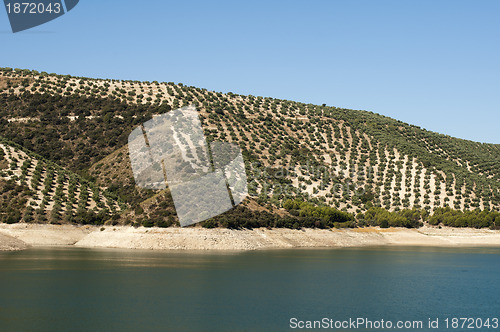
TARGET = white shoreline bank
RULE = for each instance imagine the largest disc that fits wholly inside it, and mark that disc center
(20, 236)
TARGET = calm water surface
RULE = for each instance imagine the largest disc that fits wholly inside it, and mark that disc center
(70, 289)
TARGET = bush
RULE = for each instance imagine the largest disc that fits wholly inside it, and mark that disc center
(209, 223)
(147, 223)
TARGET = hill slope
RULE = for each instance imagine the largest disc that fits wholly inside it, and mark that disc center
(348, 159)
(40, 190)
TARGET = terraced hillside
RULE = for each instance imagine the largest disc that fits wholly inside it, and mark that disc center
(347, 159)
(51, 193)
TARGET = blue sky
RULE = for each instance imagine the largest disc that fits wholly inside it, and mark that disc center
(435, 64)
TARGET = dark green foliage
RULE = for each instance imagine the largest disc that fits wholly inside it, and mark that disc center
(147, 223)
(13, 201)
(209, 223)
(456, 218)
(73, 144)
(328, 215)
(376, 216)
(242, 217)
(89, 217)
(138, 210)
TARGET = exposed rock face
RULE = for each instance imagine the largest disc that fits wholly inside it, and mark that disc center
(22, 236)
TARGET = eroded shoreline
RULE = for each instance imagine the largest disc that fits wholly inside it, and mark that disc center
(21, 236)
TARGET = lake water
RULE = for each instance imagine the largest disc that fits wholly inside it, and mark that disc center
(71, 289)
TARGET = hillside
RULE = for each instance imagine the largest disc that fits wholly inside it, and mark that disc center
(354, 161)
(41, 191)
